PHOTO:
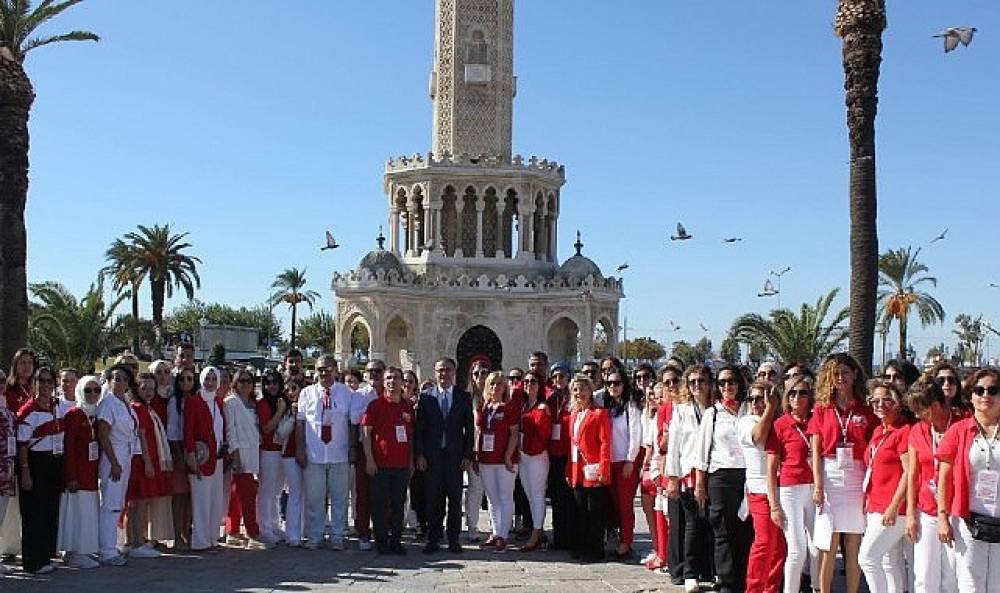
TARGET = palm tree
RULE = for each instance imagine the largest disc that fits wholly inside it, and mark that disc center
(859, 23)
(900, 276)
(126, 278)
(289, 285)
(70, 332)
(18, 22)
(159, 256)
(807, 336)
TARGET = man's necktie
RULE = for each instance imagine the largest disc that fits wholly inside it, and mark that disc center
(445, 404)
(326, 432)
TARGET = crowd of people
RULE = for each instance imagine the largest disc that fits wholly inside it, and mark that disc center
(749, 480)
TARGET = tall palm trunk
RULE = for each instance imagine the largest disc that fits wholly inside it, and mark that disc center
(902, 338)
(859, 23)
(295, 307)
(135, 318)
(158, 288)
(16, 97)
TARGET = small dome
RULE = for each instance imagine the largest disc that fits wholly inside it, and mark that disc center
(580, 266)
(380, 259)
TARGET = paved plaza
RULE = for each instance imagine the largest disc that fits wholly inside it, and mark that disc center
(297, 570)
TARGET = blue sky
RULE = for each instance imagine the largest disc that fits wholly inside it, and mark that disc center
(255, 126)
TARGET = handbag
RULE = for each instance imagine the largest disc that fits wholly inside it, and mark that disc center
(286, 426)
(984, 528)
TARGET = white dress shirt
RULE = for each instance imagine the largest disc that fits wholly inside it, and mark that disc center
(626, 434)
(343, 406)
(682, 440)
(717, 437)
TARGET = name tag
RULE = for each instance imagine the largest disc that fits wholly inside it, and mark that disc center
(845, 456)
(134, 447)
(557, 433)
(92, 451)
(11, 446)
(590, 471)
(489, 440)
(400, 433)
(987, 482)
(57, 444)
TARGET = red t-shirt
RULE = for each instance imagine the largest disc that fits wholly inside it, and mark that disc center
(954, 449)
(789, 440)
(559, 437)
(385, 416)
(16, 398)
(885, 465)
(496, 420)
(829, 421)
(267, 438)
(80, 439)
(536, 428)
(159, 406)
(922, 444)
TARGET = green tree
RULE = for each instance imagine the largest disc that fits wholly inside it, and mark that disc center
(316, 330)
(187, 319)
(859, 24)
(643, 350)
(160, 257)
(970, 333)
(900, 278)
(126, 277)
(690, 354)
(217, 357)
(19, 22)
(807, 336)
(290, 286)
(360, 340)
(729, 351)
(73, 332)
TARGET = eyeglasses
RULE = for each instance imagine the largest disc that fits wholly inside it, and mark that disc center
(614, 383)
(946, 380)
(324, 370)
(90, 390)
(981, 390)
(531, 381)
(886, 402)
(697, 381)
(672, 381)
(727, 382)
(799, 392)
(481, 372)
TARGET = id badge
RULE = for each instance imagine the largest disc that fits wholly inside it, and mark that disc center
(574, 453)
(489, 440)
(57, 445)
(92, 451)
(327, 417)
(987, 482)
(932, 486)
(400, 433)
(136, 449)
(11, 446)
(591, 472)
(556, 432)
(845, 456)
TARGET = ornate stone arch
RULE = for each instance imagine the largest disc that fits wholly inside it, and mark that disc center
(562, 338)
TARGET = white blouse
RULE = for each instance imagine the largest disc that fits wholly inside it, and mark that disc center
(717, 439)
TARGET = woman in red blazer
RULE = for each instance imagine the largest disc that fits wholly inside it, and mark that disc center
(588, 470)
(204, 427)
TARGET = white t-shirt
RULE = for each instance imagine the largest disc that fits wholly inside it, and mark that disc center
(124, 435)
(979, 454)
(753, 454)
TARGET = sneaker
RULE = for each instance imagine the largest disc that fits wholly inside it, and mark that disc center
(255, 543)
(81, 561)
(116, 560)
(690, 586)
(648, 558)
(489, 543)
(365, 544)
(144, 552)
(46, 569)
(338, 545)
(236, 541)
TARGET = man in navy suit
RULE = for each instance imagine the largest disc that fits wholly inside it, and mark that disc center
(442, 442)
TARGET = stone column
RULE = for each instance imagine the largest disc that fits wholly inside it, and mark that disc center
(411, 231)
(459, 207)
(553, 238)
(480, 206)
(394, 230)
(526, 219)
(501, 238)
(428, 225)
(436, 222)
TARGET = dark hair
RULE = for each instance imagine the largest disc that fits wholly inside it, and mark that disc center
(46, 370)
(448, 361)
(909, 372)
(923, 396)
(12, 376)
(539, 354)
(274, 377)
(702, 370)
(614, 360)
(293, 352)
(353, 373)
(185, 346)
(179, 394)
(129, 374)
(741, 381)
(804, 366)
(643, 366)
(629, 395)
(70, 370)
(673, 362)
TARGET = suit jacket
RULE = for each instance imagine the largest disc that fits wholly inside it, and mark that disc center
(431, 425)
(594, 446)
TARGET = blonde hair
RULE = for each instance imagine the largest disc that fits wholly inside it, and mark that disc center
(826, 381)
(495, 378)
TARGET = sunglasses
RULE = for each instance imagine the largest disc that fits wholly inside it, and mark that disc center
(614, 383)
(643, 377)
(531, 381)
(697, 381)
(324, 370)
(981, 390)
(91, 390)
(799, 392)
(946, 380)
(726, 382)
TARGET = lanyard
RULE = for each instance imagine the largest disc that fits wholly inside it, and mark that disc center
(803, 435)
(873, 449)
(982, 432)
(843, 423)
(491, 411)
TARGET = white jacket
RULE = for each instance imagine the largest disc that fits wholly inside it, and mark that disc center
(242, 433)
(682, 440)
(626, 434)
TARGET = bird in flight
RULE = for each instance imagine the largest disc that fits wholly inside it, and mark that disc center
(940, 237)
(953, 35)
(994, 285)
(682, 234)
(768, 290)
(622, 267)
(673, 326)
(331, 243)
(732, 239)
(703, 327)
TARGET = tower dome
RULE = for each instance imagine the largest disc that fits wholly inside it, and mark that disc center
(580, 266)
(381, 259)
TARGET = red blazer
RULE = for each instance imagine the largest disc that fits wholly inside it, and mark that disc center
(77, 466)
(198, 427)
(594, 446)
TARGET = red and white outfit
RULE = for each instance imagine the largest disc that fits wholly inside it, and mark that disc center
(242, 436)
(844, 436)
(533, 467)
(789, 442)
(271, 476)
(124, 439)
(766, 563)
(626, 446)
(295, 507)
(154, 492)
(881, 554)
(933, 561)
(204, 430)
(78, 511)
(495, 423)
(589, 462)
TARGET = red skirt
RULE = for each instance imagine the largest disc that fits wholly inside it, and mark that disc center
(140, 487)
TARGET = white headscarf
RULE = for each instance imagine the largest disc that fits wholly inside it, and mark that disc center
(81, 398)
(164, 391)
(208, 396)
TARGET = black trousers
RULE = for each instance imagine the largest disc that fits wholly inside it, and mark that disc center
(563, 505)
(388, 498)
(40, 510)
(443, 485)
(698, 548)
(418, 498)
(732, 536)
(521, 506)
(591, 520)
(675, 541)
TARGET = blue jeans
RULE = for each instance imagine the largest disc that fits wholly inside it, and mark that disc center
(324, 480)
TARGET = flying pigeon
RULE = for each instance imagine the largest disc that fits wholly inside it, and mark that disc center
(953, 35)
(994, 285)
(622, 267)
(769, 289)
(331, 243)
(732, 239)
(682, 234)
(702, 326)
(673, 326)
(939, 237)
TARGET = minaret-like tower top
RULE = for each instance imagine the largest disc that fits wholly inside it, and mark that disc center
(473, 84)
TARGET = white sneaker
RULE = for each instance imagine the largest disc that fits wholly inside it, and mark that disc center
(235, 540)
(365, 545)
(117, 560)
(144, 552)
(690, 586)
(254, 543)
(81, 561)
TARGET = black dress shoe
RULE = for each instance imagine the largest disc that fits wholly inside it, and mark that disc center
(397, 549)
(432, 548)
(455, 548)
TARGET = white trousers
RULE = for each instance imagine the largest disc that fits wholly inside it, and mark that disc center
(296, 499)
(534, 471)
(207, 508)
(881, 555)
(797, 505)
(272, 478)
(933, 562)
(473, 499)
(977, 564)
(112, 501)
(499, 486)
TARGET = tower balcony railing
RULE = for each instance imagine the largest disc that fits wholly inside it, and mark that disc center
(417, 161)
